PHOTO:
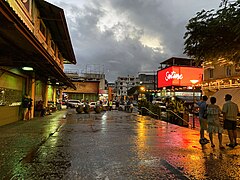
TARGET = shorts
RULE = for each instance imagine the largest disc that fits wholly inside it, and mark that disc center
(230, 125)
(203, 123)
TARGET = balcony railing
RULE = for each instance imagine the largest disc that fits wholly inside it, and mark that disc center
(216, 87)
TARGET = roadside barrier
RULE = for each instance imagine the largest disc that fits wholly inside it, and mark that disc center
(144, 110)
(170, 115)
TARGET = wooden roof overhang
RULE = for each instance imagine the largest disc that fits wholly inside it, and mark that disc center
(54, 19)
(19, 47)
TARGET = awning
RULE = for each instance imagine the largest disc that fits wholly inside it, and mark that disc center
(219, 95)
(54, 18)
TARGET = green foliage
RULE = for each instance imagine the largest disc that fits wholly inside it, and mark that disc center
(214, 34)
(143, 103)
(177, 106)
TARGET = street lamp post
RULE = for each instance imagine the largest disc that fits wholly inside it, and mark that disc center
(194, 81)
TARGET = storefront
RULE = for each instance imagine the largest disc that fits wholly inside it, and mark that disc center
(180, 81)
(31, 60)
(12, 86)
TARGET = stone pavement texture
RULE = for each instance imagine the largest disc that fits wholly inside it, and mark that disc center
(110, 145)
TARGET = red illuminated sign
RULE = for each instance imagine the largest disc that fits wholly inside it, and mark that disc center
(179, 76)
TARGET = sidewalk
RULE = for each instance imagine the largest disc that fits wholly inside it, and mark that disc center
(20, 138)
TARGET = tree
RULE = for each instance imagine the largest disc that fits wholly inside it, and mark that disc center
(213, 35)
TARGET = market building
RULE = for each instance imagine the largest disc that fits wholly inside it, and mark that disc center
(222, 77)
(34, 46)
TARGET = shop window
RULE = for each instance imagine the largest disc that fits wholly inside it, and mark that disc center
(10, 97)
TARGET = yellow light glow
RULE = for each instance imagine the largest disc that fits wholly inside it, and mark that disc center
(194, 81)
(27, 68)
(142, 88)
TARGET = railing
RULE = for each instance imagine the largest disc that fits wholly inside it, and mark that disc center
(144, 108)
(205, 87)
(179, 117)
(171, 117)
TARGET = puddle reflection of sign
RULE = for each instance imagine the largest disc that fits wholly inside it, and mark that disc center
(178, 76)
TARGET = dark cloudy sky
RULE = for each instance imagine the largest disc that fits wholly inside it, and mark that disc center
(124, 37)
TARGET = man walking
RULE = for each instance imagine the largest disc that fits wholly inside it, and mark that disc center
(203, 121)
(230, 111)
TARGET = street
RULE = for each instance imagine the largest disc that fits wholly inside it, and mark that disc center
(110, 145)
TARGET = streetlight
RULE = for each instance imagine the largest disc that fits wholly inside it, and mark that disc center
(142, 89)
(193, 81)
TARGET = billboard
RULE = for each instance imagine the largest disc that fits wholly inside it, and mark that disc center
(178, 76)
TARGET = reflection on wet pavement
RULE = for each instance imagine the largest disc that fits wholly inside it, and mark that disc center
(114, 145)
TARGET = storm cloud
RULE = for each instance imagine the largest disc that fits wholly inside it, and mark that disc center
(124, 37)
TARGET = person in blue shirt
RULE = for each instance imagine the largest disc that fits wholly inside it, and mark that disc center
(202, 120)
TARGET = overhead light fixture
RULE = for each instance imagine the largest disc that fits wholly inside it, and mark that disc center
(27, 68)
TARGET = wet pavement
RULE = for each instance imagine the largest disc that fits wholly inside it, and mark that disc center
(110, 145)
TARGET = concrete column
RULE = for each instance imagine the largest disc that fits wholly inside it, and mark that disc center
(54, 94)
(46, 96)
(33, 95)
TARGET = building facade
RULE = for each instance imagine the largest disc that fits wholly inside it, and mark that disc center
(87, 85)
(35, 44)
(180, 77)
(222, 77)
(149, 81)
(123, 84)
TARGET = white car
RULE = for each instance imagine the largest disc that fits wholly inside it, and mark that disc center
(92, 105)
(72, 103)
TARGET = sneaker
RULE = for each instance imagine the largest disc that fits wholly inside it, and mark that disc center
(203, 141)
(230, 145)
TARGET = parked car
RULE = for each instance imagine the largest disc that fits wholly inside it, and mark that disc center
(73, 103)
(92, 105)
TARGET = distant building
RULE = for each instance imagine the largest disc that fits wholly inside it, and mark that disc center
(148, 80)
(90, 86)
(123, 84)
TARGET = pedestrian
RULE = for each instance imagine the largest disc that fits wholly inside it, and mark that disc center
(214, 126)
(25, 103)
(29, 113)
(230, 111)
(40, 108)
(202, 120)
(110, 105)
